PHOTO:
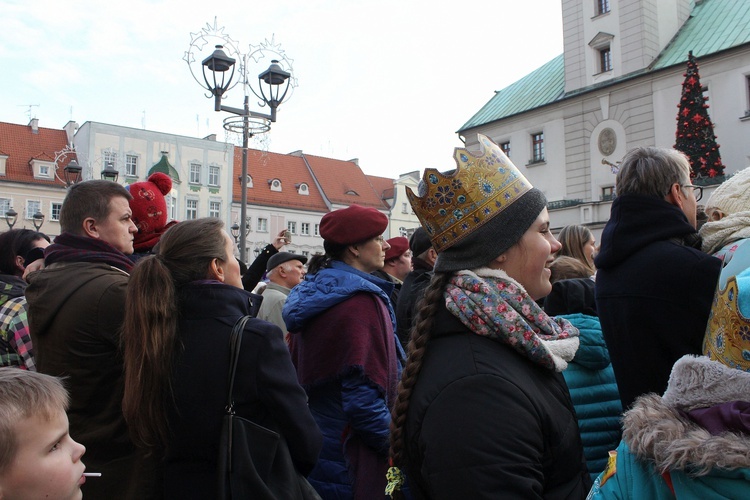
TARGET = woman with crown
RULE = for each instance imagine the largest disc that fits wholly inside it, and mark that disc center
(482, 408)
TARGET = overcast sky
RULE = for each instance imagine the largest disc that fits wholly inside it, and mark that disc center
(387, 81)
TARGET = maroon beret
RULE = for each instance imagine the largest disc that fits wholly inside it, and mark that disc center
(399, 245)
(351, 225)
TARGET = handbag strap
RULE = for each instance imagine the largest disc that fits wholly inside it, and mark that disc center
(235, 341)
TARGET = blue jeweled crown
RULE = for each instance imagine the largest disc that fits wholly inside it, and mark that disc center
(451, 206)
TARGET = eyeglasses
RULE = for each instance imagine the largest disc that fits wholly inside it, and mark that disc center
(697, 190)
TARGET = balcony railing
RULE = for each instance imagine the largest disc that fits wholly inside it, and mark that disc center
(558, 204)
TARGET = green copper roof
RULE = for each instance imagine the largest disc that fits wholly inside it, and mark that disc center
(713, 26)
(164, 167)
(540, 87)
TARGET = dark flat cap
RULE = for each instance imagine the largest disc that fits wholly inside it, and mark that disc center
(281, 257)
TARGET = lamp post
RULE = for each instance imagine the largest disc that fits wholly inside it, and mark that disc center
(256, 252)
(110, 173)
(218, 69)
(11, 216)
(72, 172)
(235, 229)
(37, 219)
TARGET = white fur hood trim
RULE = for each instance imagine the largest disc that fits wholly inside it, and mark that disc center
(655, 430)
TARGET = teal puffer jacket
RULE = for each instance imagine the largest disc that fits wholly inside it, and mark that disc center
(593, 389)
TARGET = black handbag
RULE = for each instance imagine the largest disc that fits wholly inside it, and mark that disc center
(254, 462)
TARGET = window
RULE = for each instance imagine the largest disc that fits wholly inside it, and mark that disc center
(317, 230)
(43, 170)
(32, 207)
(537, 147)
(4, 206)
(505, 146)
(131, 165)
(602, 6)
(605, 60)
(55, 211)
(213, 176)
(171, 207)
(214, 209)
(305, 253)
(262, 225)
(291, 227)
(275, 184)
(191, 209)
(404, 208)
(608, 193)
(305, 229)
(747, 82)
(402, 231)
(302, 189)
(195, 173)
(109, 158)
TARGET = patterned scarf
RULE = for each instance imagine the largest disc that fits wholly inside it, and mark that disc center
(71, 248)
(491, 304)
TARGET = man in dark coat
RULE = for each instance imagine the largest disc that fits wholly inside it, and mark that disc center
(653, 286)
(76, 306)
(423, 260)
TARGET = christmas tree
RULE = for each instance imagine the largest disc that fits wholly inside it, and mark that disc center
(695, 132)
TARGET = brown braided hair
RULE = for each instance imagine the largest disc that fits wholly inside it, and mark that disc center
(420, 334)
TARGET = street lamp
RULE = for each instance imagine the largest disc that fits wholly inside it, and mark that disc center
(110, 173)
(256, 252)
(72, 172)
(38, 219)
(235, 229)
(11, 216)
(218, 71)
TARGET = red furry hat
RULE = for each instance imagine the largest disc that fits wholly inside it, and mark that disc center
(150, 210)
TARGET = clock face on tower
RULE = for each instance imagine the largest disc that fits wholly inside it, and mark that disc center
(607, 141)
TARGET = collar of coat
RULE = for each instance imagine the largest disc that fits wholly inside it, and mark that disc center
(655, 429)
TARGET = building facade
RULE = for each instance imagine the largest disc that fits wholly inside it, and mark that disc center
(617, 86)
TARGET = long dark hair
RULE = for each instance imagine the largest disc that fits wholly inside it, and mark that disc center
(17, 242)
(184, 254)
(420, 334)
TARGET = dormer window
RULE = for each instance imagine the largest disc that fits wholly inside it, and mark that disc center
(249, 180)
(275, 185)
(302, 189)
(42, 170)
(351, 192)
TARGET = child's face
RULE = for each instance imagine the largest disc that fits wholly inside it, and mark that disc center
(47, 463)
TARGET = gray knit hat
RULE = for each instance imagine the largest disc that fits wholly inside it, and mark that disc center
(478, 211)
(733, 195)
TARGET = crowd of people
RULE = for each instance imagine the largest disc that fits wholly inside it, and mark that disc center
(482, 357)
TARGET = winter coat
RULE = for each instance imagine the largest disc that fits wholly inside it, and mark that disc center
(343, 345)
(666, 449)
(11, 287)
(653, 292)
(592, 386)
(75, 312)
(274, 297)
(265, 388)
(411, 293)
(486, 422)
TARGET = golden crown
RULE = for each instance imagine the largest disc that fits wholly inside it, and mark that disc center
(727, 337)
(452, 206)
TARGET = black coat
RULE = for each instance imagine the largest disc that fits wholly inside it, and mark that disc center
(485, 422)
(266, 389)
(411, 293)
(653, 292)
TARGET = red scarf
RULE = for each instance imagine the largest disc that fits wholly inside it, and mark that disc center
(71, 248)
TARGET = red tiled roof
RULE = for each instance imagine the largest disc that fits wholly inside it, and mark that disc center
(21, 145)
(339, 179)
(383, 186)
(289, 169)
